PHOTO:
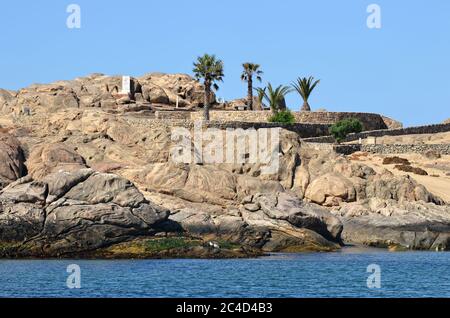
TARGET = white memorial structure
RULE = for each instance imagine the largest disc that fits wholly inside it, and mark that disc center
(126, 85)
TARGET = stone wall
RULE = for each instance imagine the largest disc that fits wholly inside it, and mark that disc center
(241, 116)
(430, 129)
(321, 146)
(176, 115)
(370, 121)
(443, 149)
(303, 130)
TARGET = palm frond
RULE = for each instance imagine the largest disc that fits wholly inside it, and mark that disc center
(261, 93)
(304, 86)
(209, 68)
(275, 96)
(249, 70)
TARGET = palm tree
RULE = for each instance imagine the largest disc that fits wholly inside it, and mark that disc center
(275, 97)
(304, 86)
(210, 69)
(261, 94)
(250, 69)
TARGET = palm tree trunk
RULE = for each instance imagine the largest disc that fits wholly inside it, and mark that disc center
(250, 94)
(207, 100)
(305, 107)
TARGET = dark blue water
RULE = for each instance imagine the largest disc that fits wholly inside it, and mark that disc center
(342, 274)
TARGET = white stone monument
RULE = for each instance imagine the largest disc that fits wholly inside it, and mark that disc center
(126, 85)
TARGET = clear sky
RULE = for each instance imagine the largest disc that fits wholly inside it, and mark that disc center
(401, 70)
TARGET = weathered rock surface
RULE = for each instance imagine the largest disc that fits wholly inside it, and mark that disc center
(11, 160)
(392, 123)
(73, 212)
(272, 222)
(313, 202)
(101, 91)
(242, 102)
(377, 209)
(409, 225)
(50, 158)
(7, 101)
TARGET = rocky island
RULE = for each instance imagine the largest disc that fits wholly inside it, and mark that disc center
(86, 170)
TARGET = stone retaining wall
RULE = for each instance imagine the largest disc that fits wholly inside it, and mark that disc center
(443, 149)
(370, 121)
(430, 129)
(176, 115)
(303, 130)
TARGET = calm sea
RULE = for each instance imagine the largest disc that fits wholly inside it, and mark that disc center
(341, 274)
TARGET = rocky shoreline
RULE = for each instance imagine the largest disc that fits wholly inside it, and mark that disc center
(87, 182)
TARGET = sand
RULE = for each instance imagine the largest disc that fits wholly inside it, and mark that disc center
(437, 182)
(439, 138)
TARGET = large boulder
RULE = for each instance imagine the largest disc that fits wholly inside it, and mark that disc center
(47, 97)
(49, 158)
(7, 101)
(240, 102)
(406, 225)
(286, 207)
(391, 123)
(72, 213)
(331, 189)
(11, 160)
(164, 88)
(202, 183)
(273, 222)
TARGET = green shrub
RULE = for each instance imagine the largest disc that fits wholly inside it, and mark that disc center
(284, 117)
(228, 245)
(341, 129)
(170, 243)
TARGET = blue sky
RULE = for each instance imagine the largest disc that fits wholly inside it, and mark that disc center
(401, 70)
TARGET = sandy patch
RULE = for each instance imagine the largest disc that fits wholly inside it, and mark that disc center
(439, 138)
(437, 181)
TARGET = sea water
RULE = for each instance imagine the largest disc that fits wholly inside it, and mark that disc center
(341, 274)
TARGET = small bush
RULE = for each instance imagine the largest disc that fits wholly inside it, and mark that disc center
(227, 245)
(407, 168)
(284, 117)
(170, 243)
(395, 160)
(341, 129)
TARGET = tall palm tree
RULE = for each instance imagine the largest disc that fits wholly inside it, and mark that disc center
(275, 97)
(304, 86)
(250, 70)
(210, 69)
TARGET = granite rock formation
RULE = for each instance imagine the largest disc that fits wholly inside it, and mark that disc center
(76, 177)
(66, 213)
(106, 92)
